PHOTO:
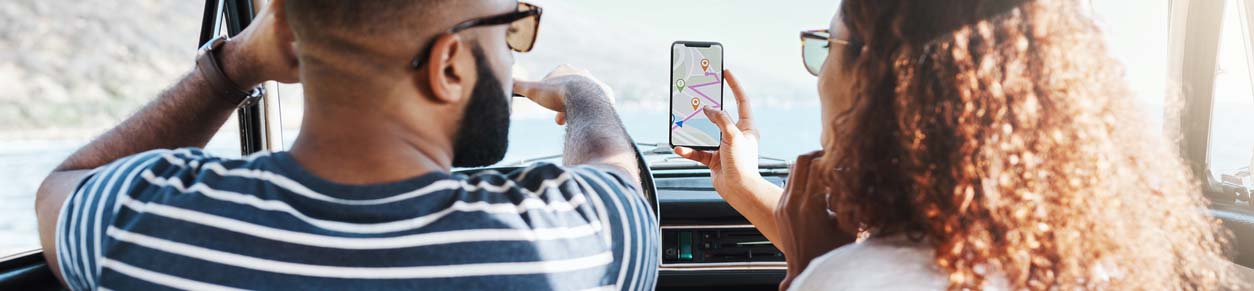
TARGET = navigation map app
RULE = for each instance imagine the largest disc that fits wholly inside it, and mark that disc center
(696, 82)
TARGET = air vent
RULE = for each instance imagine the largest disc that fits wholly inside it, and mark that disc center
(717, 245)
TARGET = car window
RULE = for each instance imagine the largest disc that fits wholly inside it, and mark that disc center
(291, 110)
(70, 70)
(1232, 114)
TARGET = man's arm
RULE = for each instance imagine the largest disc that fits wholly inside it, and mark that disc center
(594, 134)
(185, 115)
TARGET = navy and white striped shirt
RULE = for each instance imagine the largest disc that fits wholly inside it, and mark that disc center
(186, 220)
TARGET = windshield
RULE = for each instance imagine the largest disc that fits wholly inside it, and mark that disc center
(761, 45)
(74, 81)
(610, 41)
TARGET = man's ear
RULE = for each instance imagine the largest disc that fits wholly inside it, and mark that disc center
(285, 38)
(447, 69)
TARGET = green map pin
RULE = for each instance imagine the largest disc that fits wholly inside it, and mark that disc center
(679, 84)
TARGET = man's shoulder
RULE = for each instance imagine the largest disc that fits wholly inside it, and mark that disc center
(182, 157)
(164, 167)
(123, 188)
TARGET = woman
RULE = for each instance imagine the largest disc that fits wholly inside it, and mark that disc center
(978, 145)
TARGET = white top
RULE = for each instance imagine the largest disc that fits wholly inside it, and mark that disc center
(891, 263)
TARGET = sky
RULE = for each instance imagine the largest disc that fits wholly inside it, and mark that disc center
(624, 42)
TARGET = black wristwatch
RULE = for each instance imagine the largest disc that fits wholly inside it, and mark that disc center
(209, 66)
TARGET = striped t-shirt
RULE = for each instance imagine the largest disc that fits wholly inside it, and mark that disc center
(183, 219)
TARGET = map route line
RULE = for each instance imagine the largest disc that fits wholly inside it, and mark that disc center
(717, 81)
(676, 125)
(716, 103)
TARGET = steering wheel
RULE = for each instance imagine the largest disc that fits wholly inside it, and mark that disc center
(647, 187)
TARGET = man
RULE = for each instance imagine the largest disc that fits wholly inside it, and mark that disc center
(396, 94)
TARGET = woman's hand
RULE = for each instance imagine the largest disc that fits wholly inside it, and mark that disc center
(734, 167)
(806, 229)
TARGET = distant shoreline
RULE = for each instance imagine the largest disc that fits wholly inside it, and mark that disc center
(25, 135)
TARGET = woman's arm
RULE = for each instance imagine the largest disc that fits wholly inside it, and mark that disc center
(734, 167)
(796, 222)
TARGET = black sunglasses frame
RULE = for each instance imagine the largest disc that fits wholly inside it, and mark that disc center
(526, 10)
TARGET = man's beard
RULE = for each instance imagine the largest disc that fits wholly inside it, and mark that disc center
(483, 136)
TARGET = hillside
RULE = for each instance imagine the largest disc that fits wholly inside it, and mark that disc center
(75, 64)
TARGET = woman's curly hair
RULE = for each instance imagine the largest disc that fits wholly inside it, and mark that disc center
(1002, 134)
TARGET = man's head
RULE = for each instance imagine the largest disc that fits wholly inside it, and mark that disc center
(356, 56)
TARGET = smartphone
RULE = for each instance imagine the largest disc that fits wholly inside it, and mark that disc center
(696, 82)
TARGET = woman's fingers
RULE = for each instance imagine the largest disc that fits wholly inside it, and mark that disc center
(742, 101)
(703, 157)
(723, 122)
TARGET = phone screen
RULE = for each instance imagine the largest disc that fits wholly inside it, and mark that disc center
(696, 82)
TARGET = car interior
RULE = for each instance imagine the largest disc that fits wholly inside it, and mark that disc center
(706, 244)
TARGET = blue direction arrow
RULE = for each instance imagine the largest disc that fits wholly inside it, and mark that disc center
(679, 123)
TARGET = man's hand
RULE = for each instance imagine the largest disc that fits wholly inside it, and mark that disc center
(806, 229)
(263, 51)
(595, 135)
(551, 92)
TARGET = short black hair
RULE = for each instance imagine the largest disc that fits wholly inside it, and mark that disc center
(358, 28)
(362, 17)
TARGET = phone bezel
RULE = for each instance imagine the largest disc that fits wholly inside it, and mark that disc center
(670, 137)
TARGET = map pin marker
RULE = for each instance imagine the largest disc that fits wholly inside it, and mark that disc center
(696, 103)
(705, 64)
(679, 84)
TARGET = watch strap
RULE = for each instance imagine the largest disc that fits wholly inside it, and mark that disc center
(211, 69)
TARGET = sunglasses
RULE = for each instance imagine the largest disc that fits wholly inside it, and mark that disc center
(815, 46)
(521, 35)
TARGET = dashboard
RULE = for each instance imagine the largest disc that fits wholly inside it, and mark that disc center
(706, 244)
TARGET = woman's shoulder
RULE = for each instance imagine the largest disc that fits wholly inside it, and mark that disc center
(893, 263)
